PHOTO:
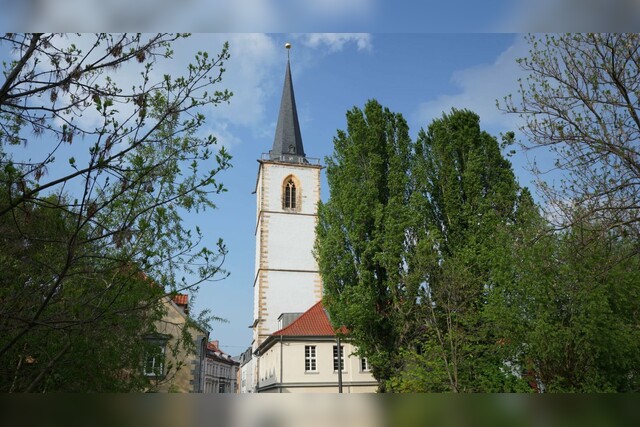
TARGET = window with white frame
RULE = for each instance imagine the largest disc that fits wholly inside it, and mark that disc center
(310, 358)
(364, 365)
(154, 362)
(335, 358)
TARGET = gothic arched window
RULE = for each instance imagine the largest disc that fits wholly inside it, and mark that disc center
(290, 194)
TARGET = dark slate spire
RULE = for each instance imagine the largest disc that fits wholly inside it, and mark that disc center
(287, 145)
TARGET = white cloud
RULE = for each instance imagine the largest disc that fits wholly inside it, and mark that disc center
(225, 138)
(125, 77)
(252, 73)
(337, 41)
(480, 87)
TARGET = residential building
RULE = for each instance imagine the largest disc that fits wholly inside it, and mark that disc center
(172, 368)
(245, 372)
(220, 371)
(303, 357)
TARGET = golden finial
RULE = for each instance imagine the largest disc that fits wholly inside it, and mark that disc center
(288, 47)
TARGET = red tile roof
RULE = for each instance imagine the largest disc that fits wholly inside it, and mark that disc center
(213, 346)
(181, 299)
(214, 352)
(313, 322)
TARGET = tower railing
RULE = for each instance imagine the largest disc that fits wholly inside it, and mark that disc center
(290, 158)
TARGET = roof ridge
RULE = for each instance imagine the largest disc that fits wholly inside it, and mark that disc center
(314, 321)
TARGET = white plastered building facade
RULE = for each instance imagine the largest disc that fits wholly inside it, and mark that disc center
(287, 192)
(287, 280)
(287, 277)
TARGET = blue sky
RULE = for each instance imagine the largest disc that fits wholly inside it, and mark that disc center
(418, 75)
(390, 16)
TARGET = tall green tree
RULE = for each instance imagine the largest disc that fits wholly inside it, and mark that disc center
(407, 246)
(101, 207)
(361, 242)
(468, 205)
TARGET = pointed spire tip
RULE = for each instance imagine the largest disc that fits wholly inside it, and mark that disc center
(288, 140)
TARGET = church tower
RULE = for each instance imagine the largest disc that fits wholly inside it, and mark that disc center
(286, 278)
